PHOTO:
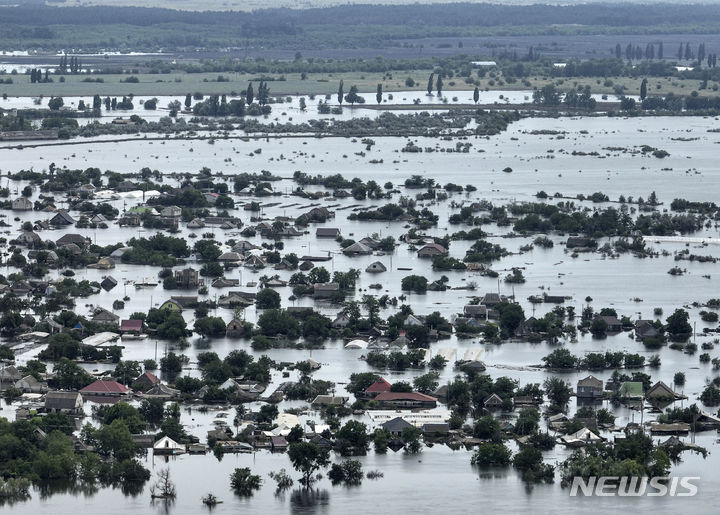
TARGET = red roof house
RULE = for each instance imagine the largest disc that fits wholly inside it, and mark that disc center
(131, 326)
(110, 388)
(379, 386)
(147, 380)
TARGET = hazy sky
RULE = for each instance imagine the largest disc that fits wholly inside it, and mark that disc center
(245, 5)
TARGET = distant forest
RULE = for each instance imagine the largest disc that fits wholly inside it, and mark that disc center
(450, 15)
(38, 26)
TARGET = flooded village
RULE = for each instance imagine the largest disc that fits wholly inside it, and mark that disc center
(277, 302)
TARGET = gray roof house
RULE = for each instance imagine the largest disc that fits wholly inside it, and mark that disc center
(476, 311)
(590, 387)
(63, 402)
(327, 232)
(396, 426)
(325, 290)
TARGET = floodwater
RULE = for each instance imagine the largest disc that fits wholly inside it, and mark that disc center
(438, 477)
(287, 109)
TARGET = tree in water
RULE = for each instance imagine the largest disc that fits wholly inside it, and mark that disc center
(249, 94)
(163, 488)
(307, 458)
(340, 92)
(244, 483)
(430, 84)
(353, 96)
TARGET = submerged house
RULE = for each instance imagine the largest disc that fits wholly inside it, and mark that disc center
(494, 401)
(104, 316)
(432, 250)
(323, 401)
(188, 278)
(22, 204)
(131, 326)
(396, 426)
(108, 283)
(613, 324)
(235, 329)
(478, 311)
(167, 445)
(70, 403)
(72, 238)
(645, 329)
(589, 388)
(147, 380)
(325, 290)
(30, 384)
(357, 249)
(405, 400)
(106, 389)
(435, 429)
(581, 438)
(376, 268)
(661, 391)
(62, 218)
(327, 232)
(376, 388)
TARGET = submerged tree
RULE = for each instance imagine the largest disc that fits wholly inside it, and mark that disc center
(163, 488)
(244, 482)
(307, 458)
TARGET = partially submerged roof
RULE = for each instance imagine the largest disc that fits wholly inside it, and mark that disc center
(105, 387)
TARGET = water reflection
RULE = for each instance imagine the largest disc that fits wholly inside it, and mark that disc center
(47, 489)
(309, 500)
(132, 488)
(163, 505)
(492, 472)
